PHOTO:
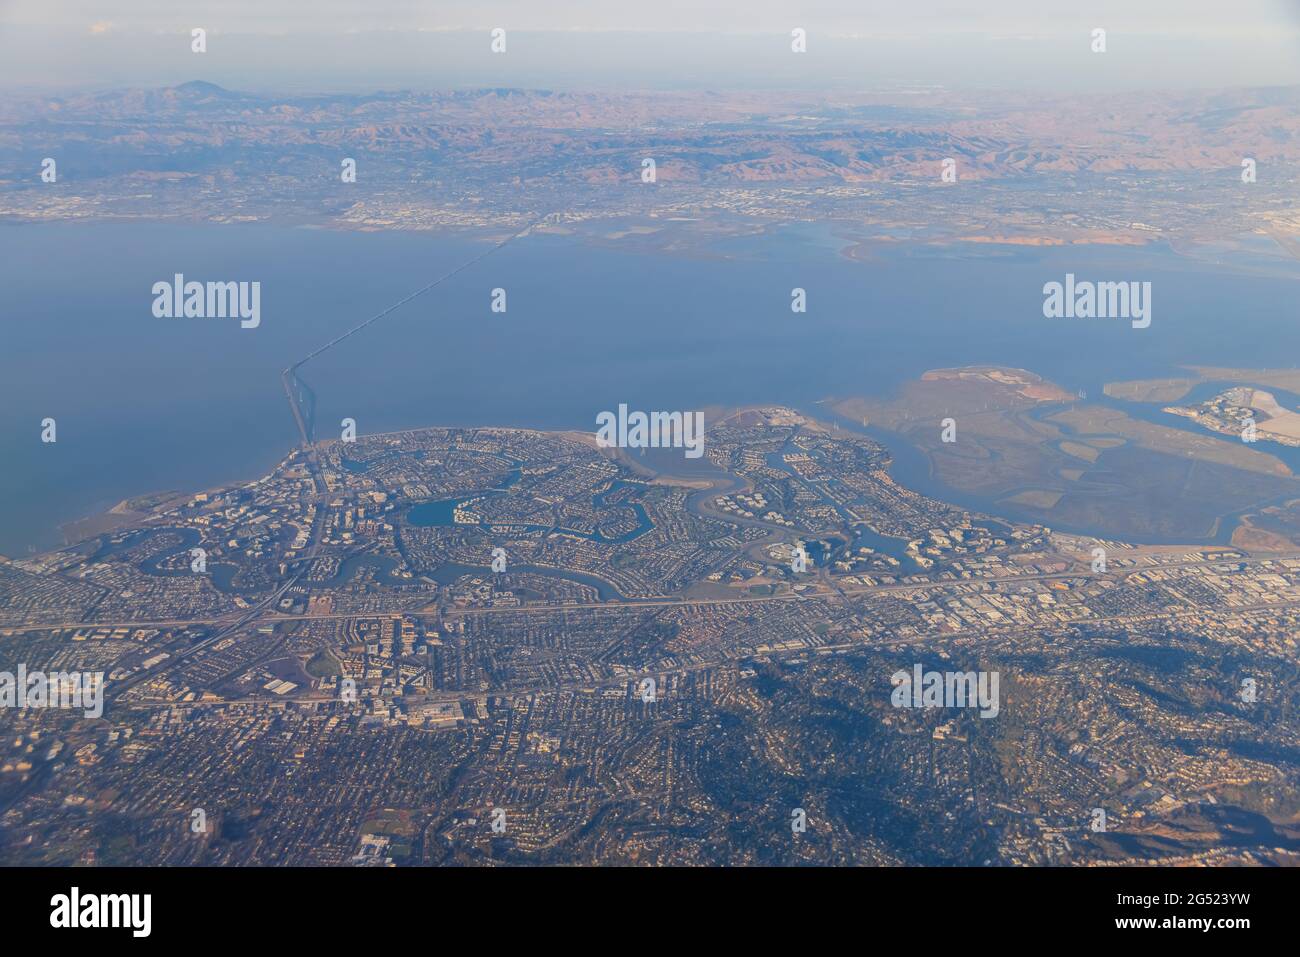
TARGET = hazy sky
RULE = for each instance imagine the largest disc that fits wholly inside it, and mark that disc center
(333, 45)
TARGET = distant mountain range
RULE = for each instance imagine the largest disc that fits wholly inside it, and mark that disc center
(1128, 169)
(700, 138)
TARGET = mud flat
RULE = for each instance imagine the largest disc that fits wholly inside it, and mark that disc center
(1159, 391)
(1164, 391)
(126, 512)
(1027, 449)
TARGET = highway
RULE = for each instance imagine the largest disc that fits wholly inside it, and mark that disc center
(853, 590)
(704, 665)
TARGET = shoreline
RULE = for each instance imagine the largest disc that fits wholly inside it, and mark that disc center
(1029, 385)
(122, 514)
